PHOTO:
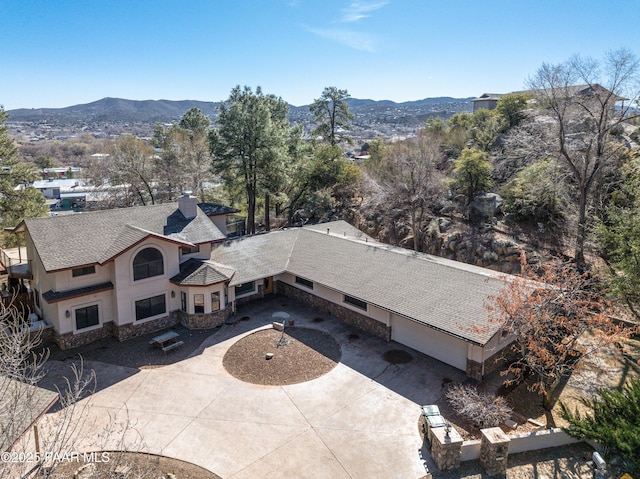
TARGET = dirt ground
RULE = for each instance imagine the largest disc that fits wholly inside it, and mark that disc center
(139, 466)
(298, 355)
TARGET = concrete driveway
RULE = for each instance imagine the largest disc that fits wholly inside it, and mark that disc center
(358, 421)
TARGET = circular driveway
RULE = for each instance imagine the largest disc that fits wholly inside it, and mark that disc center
(357, 421)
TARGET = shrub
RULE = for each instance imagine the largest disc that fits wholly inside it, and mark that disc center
(484, 410)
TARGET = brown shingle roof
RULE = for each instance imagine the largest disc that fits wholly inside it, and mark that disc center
(195, 272)
(444, 294)
(95, 237)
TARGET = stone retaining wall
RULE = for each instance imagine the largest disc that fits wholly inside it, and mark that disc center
(346, 315)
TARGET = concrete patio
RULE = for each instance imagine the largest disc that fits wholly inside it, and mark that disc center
(358, 421)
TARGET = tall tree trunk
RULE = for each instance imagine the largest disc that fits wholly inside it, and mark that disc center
(582, 228)
(251, 210)
(267, 217)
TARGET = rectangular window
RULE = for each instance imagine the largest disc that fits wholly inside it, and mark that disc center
(304, 282)
(183, 301)
(87, 317)
(245, 288)
(355, 302)
(189, 250)
(215, 302)
(198, 303)
(75, 272)
(146, 308)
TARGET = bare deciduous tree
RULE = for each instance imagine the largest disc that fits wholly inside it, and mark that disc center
(68, 430)
(549, 313)
(411, 181)
(483, 409)
(582, 102)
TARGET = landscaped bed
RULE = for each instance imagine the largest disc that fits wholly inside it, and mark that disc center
(138, 465)
(298, 355)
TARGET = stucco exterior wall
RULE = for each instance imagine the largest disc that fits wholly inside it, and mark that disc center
(127, 291)
(221, 222)
(104, 300)
(206, 291)
(350, 316)
(204, 253)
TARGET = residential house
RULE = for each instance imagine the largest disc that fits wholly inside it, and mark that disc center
(130, 271)
(489, 101)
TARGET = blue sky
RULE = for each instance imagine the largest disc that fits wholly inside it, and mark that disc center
(56, 53)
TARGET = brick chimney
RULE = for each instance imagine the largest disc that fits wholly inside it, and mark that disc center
(188, 205)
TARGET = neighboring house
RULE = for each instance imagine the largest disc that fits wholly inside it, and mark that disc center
(53, 188)
(130, 271)
(489, 101)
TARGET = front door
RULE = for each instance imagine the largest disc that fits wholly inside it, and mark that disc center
(268, 285)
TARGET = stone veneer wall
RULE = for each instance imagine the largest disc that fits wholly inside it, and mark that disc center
(346, 315)
(70, 340)
(128, 331)
(500, 359)
(203, 321)
(446, 449)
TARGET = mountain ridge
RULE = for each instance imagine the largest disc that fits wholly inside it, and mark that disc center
(121, 110)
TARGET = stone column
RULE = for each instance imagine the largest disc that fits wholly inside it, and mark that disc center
(445, 449)
(494, 451)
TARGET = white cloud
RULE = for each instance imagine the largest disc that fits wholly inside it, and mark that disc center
(359, 9)
(356, 40)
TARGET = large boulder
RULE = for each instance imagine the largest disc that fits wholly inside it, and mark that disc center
(484, 207)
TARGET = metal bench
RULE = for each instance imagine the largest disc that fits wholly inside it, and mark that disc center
(171, 346)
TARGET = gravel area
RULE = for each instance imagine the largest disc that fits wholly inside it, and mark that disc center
(299, 354)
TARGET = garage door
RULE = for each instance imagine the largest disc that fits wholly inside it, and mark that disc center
(433, 343)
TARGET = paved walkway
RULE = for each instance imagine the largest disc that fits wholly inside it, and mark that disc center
(358, 421)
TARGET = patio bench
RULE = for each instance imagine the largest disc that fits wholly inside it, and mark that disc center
(171, 346)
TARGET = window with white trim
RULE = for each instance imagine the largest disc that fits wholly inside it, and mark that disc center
(149, 307)
(87, 316)
(148, 263)
(215, 301)
(304, 282)
(198, 303)
(350, 300)
(245, 288)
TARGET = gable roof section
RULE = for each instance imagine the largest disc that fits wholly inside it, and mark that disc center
(31, 403)
(195, 272)
(256, 257)
(95, 237)
(444, 294)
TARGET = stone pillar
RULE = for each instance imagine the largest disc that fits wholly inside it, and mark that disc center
(445, 450)
(494, 451)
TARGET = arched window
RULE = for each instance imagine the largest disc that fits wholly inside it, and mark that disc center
(147, 263)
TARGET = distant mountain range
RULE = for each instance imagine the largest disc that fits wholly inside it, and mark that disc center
(119, 111)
